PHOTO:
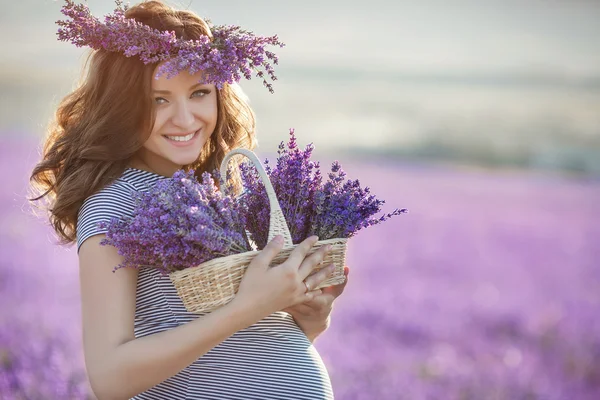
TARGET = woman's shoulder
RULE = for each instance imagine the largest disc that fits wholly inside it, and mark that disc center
(116, 200)
(120, 190)
(139, 179)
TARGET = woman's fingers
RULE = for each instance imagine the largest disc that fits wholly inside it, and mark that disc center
(319, 277)
(306, 308)
(310, 262)
(319, 303)
(302, 265)
(299, 253)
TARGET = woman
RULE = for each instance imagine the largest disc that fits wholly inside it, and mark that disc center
(122, 129)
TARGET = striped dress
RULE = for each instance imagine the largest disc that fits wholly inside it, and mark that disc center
(271, 359)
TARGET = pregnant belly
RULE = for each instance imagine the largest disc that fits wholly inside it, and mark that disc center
(271, 359)
(262, 362)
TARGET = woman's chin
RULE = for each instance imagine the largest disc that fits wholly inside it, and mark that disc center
(181, 161)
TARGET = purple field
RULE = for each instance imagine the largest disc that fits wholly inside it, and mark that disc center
(488, 289)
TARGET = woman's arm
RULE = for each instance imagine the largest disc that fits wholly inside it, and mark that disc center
(120, 366)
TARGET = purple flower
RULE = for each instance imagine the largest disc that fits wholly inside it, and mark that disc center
(37, 362)
(342, 208)
(336, 209)
(232, 52)
(179, 223)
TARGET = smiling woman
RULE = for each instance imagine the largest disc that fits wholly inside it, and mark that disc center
(137, 118)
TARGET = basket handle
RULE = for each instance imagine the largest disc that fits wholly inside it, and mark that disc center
(277, 222)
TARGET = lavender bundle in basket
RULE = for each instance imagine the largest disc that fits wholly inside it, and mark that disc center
(335, 209)
(295, 180)
(179, 223)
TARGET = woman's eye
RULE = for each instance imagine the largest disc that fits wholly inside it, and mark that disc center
(160, 100)
(200, 93)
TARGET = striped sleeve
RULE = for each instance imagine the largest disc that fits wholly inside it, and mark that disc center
(114, 201)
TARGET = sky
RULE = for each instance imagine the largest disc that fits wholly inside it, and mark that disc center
(435, 37)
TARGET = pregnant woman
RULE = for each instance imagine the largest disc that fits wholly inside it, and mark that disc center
(159, 94)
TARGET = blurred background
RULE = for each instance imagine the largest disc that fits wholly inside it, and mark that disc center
(480, 117)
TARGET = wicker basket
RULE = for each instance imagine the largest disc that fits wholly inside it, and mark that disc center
(214, 283)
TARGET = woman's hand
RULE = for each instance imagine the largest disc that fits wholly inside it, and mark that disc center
(265, 289)
(313, 315)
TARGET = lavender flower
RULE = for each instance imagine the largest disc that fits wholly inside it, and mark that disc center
(179, 223)
(342, 208)
(255, 198)
(295, 180)
(231, 53)
(39, 362)
(336, 209)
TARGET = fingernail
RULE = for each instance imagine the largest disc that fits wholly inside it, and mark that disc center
(329, 247)
(278, 239)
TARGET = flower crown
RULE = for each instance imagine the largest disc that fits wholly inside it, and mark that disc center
(231, 53)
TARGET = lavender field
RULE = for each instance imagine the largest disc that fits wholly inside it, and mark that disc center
(488, 289)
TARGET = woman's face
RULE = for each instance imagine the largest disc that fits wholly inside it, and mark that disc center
(186, 116)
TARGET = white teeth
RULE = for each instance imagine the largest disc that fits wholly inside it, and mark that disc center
(181, 138)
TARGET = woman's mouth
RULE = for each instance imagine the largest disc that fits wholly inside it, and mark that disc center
(182, 140)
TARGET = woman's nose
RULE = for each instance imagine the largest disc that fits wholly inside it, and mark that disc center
(183, 117)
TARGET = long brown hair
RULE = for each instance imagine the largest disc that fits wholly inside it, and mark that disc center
(99, 126)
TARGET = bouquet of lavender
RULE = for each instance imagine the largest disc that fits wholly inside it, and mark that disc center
(179, 223)
(335, 209)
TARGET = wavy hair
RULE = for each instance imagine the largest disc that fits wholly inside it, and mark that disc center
(99, 126)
